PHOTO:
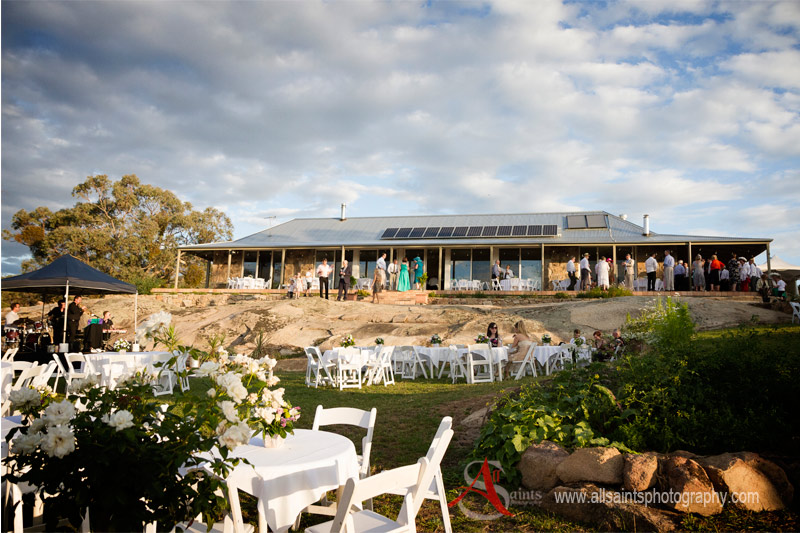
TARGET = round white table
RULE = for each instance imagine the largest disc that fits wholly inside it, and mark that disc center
(288, 479)
(358, 355)
(111, 365)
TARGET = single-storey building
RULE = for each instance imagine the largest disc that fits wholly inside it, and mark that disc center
(537, 246)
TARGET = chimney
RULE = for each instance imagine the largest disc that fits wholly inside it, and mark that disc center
(646, 225)
(344, 209)
(623, 216)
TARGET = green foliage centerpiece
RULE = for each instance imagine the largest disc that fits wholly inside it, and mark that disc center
(121, 345)
(546, 338)
(379, 341)
(481, 339)
(348, 341)
(436, 340)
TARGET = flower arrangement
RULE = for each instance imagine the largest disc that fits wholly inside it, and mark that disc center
(578, 342)
(546, 338)
(76, 449)
(348, 341)
(121, 345)
(481, 339)
(379, 341)
(436, 339)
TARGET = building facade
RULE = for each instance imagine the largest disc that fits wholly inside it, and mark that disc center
(536, 246)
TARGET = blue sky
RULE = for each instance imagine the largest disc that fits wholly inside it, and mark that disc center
(687, 111)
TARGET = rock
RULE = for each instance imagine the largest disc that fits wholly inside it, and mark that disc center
(187, 303)
(600, 465)
(286, 351)
(694, 492)
(475, 419)
(606, 510)
(640, 472)
(538, 465)
(746, 485)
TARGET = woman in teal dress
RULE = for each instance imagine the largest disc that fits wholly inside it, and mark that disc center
(402, 281)
(418, 273)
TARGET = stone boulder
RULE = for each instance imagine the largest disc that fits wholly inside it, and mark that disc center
(640, 472)
(691, 490)
(748, 481)
(607, 510)
(538, 465)
(599, 465)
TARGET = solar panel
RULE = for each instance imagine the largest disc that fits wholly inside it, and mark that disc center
(446, 231)
(389, 233)
(460, 231)
(431, 232)
(535, 230)
(576, 221)
(475, 231)
(519, 230)
(402, 233)
(489, 231)
(416, 233)
(550, 230)
(503, 231)
(595, 221)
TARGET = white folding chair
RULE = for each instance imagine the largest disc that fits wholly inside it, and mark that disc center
(795, 311)
(416, 483)
(479, 364)
(523, 366)
(312, 369)
(380, 368)
(496, 284)
(327, 370)
(410, 361)
(556, 361)
(659, 285)
(165, 380)
(78, 367)
(182, 371)
(10, 353)
(457, 361)
(348, 368)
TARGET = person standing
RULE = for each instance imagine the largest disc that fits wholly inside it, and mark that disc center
(74, 313)
(323, 271)
(393, 271)
(744, 274)
(412, 277)
(651, 266)
(602, 273)
(509, 273)
(573, 279)
(755, 274)
(669, 271)
(680, 276)
(630, 268)
(13, 315)
(496, 272)
(733, 271)
(403, 284)
(698, 277)
(419, 270)
(586, 274)
(380, 273)
(344, 279)
(714, 269)
(56, 316)
(309, 281)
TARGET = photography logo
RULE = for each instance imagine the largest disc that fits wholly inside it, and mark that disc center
(484, 484)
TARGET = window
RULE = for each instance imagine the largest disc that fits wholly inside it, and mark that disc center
(366, 263)
(530, 264)
(460, 267)
(250, 264)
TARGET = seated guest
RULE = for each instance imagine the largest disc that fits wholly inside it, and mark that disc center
(616, 340)
(602, 349)
(519, 348)
(780, 287)
(492, 333)
(107, 322)
(509, 273)
(576, 334)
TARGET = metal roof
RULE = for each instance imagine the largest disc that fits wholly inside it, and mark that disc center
(365, 232)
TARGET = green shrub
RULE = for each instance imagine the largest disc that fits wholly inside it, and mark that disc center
(146, 284)
(597, 292)
(668, 326)
(562, 295)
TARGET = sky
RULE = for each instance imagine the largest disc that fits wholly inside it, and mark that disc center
(688, 111)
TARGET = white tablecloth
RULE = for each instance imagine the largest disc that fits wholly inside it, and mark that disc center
(111, 365)
(543, 353)
(288, 479)
(363, 356)
(513, 284)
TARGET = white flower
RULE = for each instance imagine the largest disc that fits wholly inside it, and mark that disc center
(272, 380)
(277, 397)
(60, 413)
(25, 397)
(270, 362)
(221, 427)
(211, 392)
(294, 412)
(207, 368)
(37, 426)
(58, 441)
(265, 413)
(229, 410)
(252, 397)
(24, 444)
(233, 386)
(121, 420)
(236, 435)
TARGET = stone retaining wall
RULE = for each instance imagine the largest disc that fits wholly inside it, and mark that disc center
(616, 491)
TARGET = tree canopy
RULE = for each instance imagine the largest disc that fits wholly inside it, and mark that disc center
(128, 229)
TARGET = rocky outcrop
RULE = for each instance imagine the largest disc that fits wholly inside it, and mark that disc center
(539, 463)
(750, 482)
(599, 465)
(690, 487)
(640, 472)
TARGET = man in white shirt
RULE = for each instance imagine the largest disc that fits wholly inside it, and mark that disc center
(13, 315)
(323, 272)
(669, 271)
(725, 279)
(392, 270)
(755, 273)
(651, 266)
(573, 279)
(630, 270)
(586, 273)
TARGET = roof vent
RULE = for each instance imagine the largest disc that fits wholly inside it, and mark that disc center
(646, 224)
(344, 211)
(623, 216)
